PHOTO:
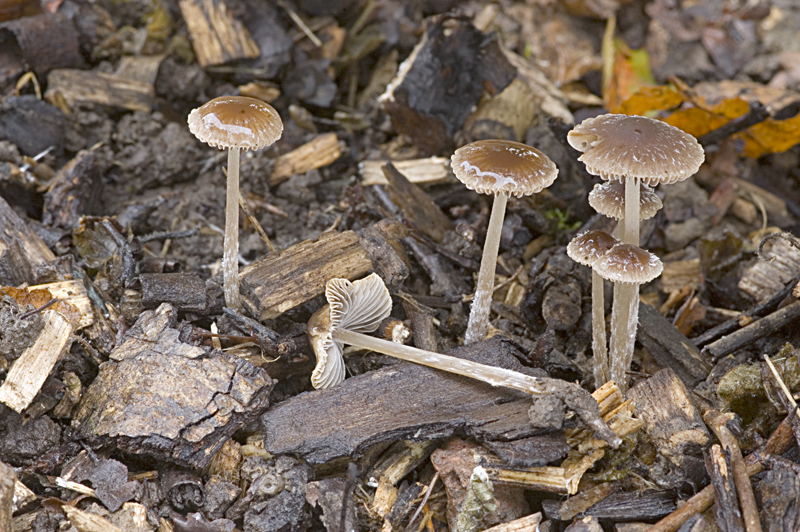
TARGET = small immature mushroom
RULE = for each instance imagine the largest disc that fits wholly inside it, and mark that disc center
(628, 266)
(502, 168)
(608, 198)
(237, 123)
(362, 305)
(587, 249)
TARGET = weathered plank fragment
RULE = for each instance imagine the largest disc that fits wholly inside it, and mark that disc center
(77, 86)
(416, 205)
(217, 37)
(427, 171)
(320, 151)
(161, 397)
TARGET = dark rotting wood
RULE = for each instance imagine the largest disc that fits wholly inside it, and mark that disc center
(726, 509)
(758, 329)
(185, 291)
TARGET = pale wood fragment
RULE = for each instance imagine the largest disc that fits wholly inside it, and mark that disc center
(73, 292)
(217, 37)
(319, 152)
(23, 495)
(506, 115)
(766, 278)
(88, 522)
(15, 232)
(678, 274)
(86, 86)
(281, 281)
(776, 208)
(34, 365)
(529, 523)
(140, 67)
(427, 171)
(553, 100)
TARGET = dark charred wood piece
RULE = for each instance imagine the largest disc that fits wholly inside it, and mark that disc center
(728, 514)
(421, 324)
(760, 310)
(445, 280)
(334, 499)
(184, 490)
(534, 451)
(382, 243)
(160, 397)
(670, 348)
(14, 266)
(75, 192)
(780, 491)
(109, 479)
(39, 43)
(579, 503)
(749, 334)
(430, 99)
(285, 510)
(674, 426)
(377, 407)
(185, 291)
(416, 205)
(633, 506)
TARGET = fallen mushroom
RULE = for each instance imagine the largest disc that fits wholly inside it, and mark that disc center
(502, 168)
(237, 123)
(362, 305)
(587, 249)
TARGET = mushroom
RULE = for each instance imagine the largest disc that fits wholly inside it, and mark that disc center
(588, 248)
(237, 123)
(628, 266)
(502, 168)
(633, 150)
(608, 198)
(362, 305)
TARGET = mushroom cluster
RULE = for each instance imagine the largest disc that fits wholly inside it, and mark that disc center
(631, 154)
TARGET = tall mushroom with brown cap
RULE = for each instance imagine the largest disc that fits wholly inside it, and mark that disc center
(363, 304)
(627, 266)
(588, 248)
(236, 123)
(502, 168)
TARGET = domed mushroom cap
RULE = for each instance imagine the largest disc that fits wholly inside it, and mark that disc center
(591, 246)
(492, 166)
(608, 199)
(359, 306)
(236, 122)
(618, 146)
(626, 263)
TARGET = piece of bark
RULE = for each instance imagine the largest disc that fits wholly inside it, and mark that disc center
(445, 280)
(680, 273)
(421, 324)
(15, 232)
(75, 192)
(85, 521)
(39, 43)
(441, 81)
(529, 523)
(34, 126)
(749, 334)
(554, 102)
(217, 37)
(780, 491)
(507, 115)
(161, 397)
(285, 511)
(108, 477)
(185, 291)
(281, 281)
(670, 348)
(86, 86)
(765, 278)
(673, 425)
(416, 205)
(8, 479)
(321, 151)
(329, 494)
(14, 266)
(141, 67)
(579, 503)
(635, 506)
(427, 171)
(375, 408)
(586, 524)
(726, 509)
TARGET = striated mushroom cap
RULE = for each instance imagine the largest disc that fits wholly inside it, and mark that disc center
(236, 122)
(608, 198)
(619, 146)
(626, 263)
(492, 166)
(591, 246)
(359, 306)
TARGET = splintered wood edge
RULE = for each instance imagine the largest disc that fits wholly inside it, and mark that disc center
(34, 365)
(321, 151)
(88, 522)
(427, 171)
(73, 292)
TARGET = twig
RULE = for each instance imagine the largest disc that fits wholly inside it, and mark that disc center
(424, 500)
(758, 329)
(164, 235)
(300, 24)
(757, 114)
(793, 240)
(254, 221)
(34, 311)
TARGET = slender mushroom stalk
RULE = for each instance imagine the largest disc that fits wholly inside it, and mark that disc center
(364, 304)
(587, 249)
(502, 168)
(633, 149)
(236, 123)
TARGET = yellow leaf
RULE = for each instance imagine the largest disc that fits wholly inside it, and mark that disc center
(655, 98)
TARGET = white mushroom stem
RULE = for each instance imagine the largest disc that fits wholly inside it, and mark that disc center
(230, 257)
(599, 350)
(625, 314)
(489, 374)
(482, 302)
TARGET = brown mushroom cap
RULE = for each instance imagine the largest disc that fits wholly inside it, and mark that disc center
(618, 146)
(492, 166)
(626, 263)
(591, 246)
(236, 122)
(608, 198)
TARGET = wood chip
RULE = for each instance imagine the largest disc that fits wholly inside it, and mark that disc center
(217, 37)
(766, 278)
(678, 274)
(321, 151)
(427, 171)
(82, 86)
(141, 67)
